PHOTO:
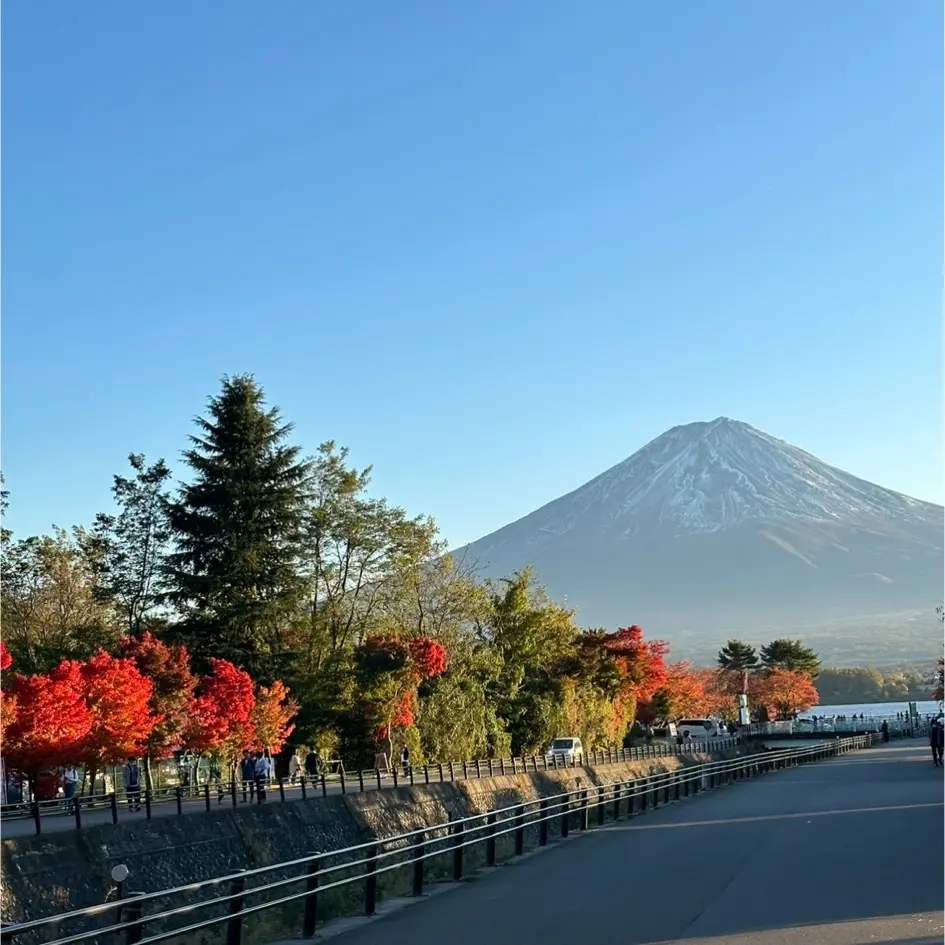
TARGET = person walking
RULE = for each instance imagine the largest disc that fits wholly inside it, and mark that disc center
(132, 778)
(405, 760)
(937, 741)
(885, 730)
(262, 772)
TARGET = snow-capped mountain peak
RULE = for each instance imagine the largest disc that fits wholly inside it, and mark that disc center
(712, 476)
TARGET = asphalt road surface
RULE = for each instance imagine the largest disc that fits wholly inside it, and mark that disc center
(841, 852)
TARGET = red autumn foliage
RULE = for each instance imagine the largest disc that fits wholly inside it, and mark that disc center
(271, 716)
(784, 691)
(6, 661)
(428, 658)
(684, 691)
(719, 700)
(642, 663)
(220, 713)
(173, 684)
(118, 697)
(51, 723)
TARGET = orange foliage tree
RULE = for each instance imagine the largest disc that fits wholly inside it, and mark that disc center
(51, 723)
(221, 713)
(271, 716)
(784, 691)
(118, 698)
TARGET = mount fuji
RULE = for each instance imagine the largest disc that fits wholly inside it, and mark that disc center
(716, 527)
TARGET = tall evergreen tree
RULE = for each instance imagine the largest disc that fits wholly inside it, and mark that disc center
(738, 655)
(791, 655)
(235, 575)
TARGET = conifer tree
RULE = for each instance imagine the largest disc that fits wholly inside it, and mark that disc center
(235, 574)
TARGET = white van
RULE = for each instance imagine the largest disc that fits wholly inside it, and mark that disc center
(698, 728)
(566, 749)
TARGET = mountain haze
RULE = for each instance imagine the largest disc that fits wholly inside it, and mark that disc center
(718, 526)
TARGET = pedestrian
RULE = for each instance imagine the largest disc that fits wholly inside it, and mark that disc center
(885, 730)
(70, 781)
(248, 776)
(132, 777)
(405, 760)
(937, 741)
(263, 769)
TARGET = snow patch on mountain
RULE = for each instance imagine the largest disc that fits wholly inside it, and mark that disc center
(702, 478)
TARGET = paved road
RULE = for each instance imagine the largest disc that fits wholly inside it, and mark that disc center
(841, 852)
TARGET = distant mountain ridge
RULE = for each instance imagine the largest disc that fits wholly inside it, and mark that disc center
(717, 524)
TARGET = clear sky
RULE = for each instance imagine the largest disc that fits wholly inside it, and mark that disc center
(492, 247)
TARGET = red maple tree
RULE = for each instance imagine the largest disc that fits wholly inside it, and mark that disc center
(642, 663)
(785, 691)
(221, 712)
(6, 661)
(271, 716)
(428, 658)
(118, 698)
(173, 685)
(51, 723)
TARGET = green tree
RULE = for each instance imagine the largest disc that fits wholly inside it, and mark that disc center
(50, 609)
(235, 575)
(738, 655)
(791, 655)
(353, 548)
(535, 639)
(131, 547)
(5, 534)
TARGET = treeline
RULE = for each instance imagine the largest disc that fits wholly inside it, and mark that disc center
(866, 684)
(287, 570)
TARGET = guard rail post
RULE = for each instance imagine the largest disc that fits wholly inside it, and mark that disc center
(370, 882)
(566, 816)
(341, 775)
(147, 803)
(325, 785)
(206, 796)
(178, 797)
(543, 822)
(360, 781)
(113, 799)
(36, 816)
(520, 830)
(233, 790)
(601, 809)
(377, 775)
(234, 925)
(77, 811)
(134, 913)
(490, 838)
(617, 789)
(458, 850)
(584, 811)
(310, 918)
(419, 850)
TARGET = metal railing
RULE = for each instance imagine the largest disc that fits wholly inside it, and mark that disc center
(832, 727)
(206, 796)
(236, 896)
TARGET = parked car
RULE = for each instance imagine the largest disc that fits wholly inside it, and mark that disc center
(566, 749)
(699, 728)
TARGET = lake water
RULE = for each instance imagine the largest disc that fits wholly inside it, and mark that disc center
(875, 709)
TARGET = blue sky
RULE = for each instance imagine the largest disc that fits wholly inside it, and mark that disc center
(494, 248)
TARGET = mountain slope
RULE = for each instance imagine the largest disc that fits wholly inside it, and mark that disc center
(715, 525)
